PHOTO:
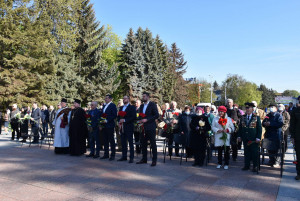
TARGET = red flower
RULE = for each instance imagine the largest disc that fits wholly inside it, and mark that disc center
(266, 117)
(104, 115)
(122, 114)
(142, 115)
(295, 162)
(175, 113)
(87, 116)
(165, 127)
(222, 122)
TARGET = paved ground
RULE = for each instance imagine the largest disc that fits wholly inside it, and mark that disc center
(31, 173)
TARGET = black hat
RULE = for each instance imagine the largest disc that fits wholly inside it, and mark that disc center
(249, 104)
(77, 101)
(64, 100)
(273, 104)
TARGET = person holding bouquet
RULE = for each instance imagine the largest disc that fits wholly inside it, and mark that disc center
(14, 122)
(93, 129)
(199, 128)
(24, 124)
(171, 117)
(149, 114)
(250, 131)
(126, 118)
(109, 112)
(222, 127)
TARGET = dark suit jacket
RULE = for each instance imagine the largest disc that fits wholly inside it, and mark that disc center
(52, 116)
(36, 115)
(129, 118)
(45, 116)
(111, 112)
(151, 115)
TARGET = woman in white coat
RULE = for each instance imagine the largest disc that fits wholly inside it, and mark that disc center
(222, 124)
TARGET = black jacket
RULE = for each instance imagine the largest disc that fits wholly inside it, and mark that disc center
(151, 115)
(129, 118)
(295, 124)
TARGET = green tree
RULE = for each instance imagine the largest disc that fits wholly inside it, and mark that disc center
(293, 93)
(26, 55)
(248, 92)
(178, 67)
(268, 95)
(232, 84)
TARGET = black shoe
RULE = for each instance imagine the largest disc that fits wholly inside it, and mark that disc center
(122, 159)
(255, 169)
(177, 155)
(96, 156)
(153, 164)
(141, 162)
(195, 164)
(131, 161)
(297, 177)
(245, 168)
(12, 139)
(23, 140)
(90, 155)
(111, 158)
(104, 157)
(42, 138)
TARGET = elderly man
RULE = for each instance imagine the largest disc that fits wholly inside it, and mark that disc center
(235, 115)
(295, 135)
(61, 131)
(14, 122)
(286, 124)
(273, 123)
(250, 133)
(93, 128)
(171, 117)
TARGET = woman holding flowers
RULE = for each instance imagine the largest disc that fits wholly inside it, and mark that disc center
(199, 128)
(222, 127)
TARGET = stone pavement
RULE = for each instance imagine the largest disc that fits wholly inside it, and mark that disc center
(33, 173)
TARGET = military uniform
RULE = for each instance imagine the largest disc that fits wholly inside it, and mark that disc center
(249, 131)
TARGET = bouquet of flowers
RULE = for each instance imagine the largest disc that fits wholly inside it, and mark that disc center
(170, 127)
(140, 124)
(102, 120)
(122, 115)
(223, 122)
(26, 117)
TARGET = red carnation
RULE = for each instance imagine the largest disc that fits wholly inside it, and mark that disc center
(142, 115)
(266, 117)
(295, 162)
(122, 114)
(175, 113)
(104, 115)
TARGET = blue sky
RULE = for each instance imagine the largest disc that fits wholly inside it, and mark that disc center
(258, 39)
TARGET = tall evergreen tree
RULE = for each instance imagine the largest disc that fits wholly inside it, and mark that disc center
(26, 55)
(132, 67)
(268, 95)
(178, 67)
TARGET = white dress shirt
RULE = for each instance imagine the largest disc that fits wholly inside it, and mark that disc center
(145, 107)
(106, 106)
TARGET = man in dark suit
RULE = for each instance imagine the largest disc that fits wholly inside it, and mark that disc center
(151, 114)
(45, 120)
(110, 110)
(126, 124)
(35, 122)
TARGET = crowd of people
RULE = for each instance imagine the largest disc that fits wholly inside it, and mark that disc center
(227, 128)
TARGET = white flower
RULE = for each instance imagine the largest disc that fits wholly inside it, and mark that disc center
(201, 123)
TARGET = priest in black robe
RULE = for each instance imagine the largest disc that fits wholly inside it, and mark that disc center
(78, 130)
